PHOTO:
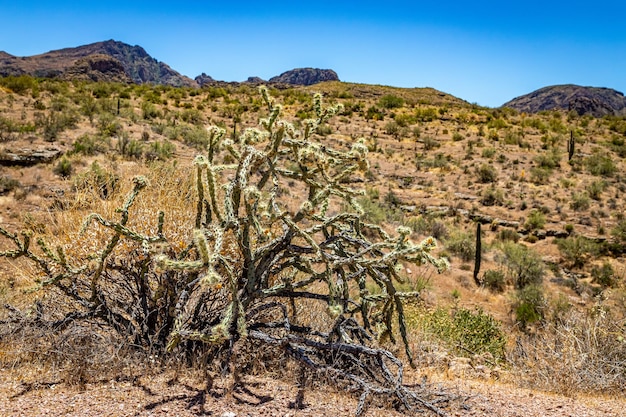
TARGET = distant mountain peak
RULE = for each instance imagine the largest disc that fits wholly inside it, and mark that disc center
(305, 76)
(138, 65)
(595, 101)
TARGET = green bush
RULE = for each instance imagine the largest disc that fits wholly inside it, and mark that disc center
(536, 220)
(580, 201)
(487, 173)
(462, 244)
(530, 305)
(577, 250)
(63, 168)
(604, 275)
(495, 280)
(600, 164)
(524, 266)
(466, 331)
(391, 101)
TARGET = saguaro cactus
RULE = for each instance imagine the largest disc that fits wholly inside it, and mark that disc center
(570, 146)
(478, 255)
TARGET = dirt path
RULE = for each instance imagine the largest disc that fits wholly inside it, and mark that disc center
(155, 396)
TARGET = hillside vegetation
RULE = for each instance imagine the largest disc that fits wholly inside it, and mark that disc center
(544, 306)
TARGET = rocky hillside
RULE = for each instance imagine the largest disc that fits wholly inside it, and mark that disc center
(305, 76)
(138, 66)
(593, 101)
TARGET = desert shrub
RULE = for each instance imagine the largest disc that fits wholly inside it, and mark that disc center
(63, 167)
(604, 275)
(488, 152)
(600, 164)
(577, 250)
(507, 234)
(596, 188)
(530, 304)
(20, 84)
(540, 176)
(8, 184)
(465, 331)
(536, 220)
(487, 173)
(581, 352)
(492, 196)
(548, 160)
(495, 280)
(162, 150)
(390, 101)
(462, 244)
(580, 201)
(103, 181)
(246, 263)
(524, 266)
(90, 145)
(430, 143)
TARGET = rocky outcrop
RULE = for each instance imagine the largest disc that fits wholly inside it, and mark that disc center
(28, 157)
(593, 101)
(305, 76)
(255, 80)
(204, 79)
(98, 67)
(138, 65)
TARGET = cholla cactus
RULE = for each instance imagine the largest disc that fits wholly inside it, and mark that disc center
(256, 252)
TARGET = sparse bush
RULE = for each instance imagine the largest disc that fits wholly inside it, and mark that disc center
(462, 244)
(495, 280)
(8, 184)
(604, 275)
(391, 101)
(600, 164)
(530, 305)
(487, 173)
(580, 201)
(63, 168)
(492, 196)
(524, 266)
(536, 220)
(465, 331)
(577, 250)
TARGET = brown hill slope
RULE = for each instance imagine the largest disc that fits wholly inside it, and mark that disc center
(595, 101)
(139, 66)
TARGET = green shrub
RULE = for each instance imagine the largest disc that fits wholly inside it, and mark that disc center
(596, 188)
(604, 275)
(600, 164)
(90, 145)
(495, 280)
(391, 101)
(507, 234)
(580, 201)
(465, 331)
(63, 168)
(462, 244)
(577, 250)
(492, 196)
(530, 305)
(487, 173)
(524, 266)
(536, 220)
(8, 184)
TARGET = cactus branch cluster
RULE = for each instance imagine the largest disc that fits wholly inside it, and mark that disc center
(254, 254)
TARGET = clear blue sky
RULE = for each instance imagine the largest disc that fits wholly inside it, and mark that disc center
(485, 52)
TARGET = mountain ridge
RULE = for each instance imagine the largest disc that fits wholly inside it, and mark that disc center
(594, 101)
